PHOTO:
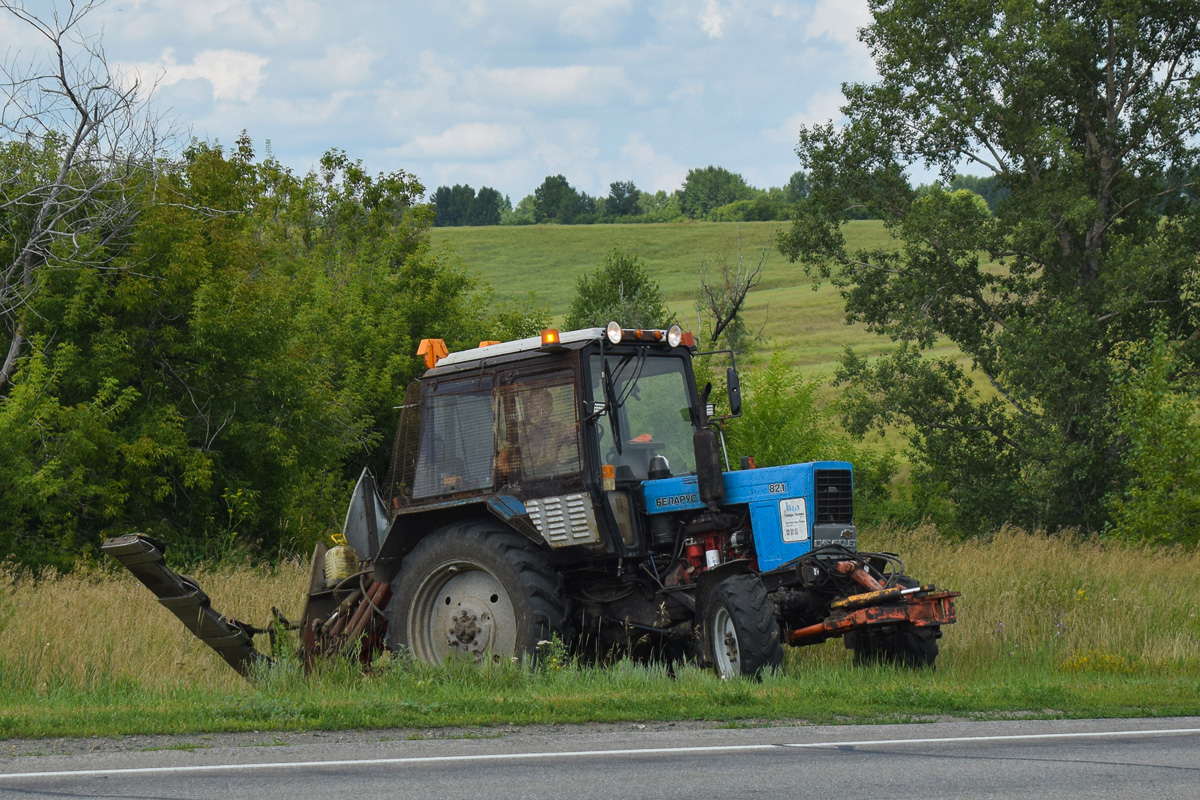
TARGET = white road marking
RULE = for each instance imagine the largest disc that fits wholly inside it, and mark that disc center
(79, 773)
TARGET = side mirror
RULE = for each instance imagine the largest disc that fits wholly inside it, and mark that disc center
(735, 392)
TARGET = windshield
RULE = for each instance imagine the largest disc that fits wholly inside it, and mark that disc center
(652, 415)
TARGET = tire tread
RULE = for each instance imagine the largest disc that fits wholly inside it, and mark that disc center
(746, 599)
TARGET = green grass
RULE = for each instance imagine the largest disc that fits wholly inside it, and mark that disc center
(809, 326)
(1048, 626)
(411, 697)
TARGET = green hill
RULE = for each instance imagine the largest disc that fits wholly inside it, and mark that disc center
(809, 326)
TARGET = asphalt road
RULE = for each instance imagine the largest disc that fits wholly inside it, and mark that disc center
(1152, 758)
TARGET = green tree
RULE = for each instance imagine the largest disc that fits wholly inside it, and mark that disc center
(986, 187)
(783, 422)
(522, 214)
(225, 368)
(488, 207)
(78, 150)
(459, 205)
(1158, 418)
(720, 299)
(453, 205)
(710, 187)
(659, 207)
(796, 188)
(1086, 112)
(620, 290)
(760, 208)
(622, 199)
(556, 201)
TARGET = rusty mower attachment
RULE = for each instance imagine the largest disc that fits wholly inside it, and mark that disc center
(349, 614)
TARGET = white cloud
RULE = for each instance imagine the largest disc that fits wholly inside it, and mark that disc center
(591, 19)
(787, 12)
(656, 170)
(322, 111)
(198, 17)
(688, 90)
(343, 65)
(296, 19)
(819, 109)
(438, 73)
(839, 20)
(711, 20)
(551, 86)
(504, 94)
(234, 75)
(568, 146)
(465, 13)
(471, 140)
(526, 20)
(266, 23)
(13, 31)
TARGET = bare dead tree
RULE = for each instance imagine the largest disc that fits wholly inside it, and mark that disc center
(722, 299)
(78, 146)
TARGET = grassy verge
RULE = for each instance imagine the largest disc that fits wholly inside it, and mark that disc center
(412, 698)
(1048, 626)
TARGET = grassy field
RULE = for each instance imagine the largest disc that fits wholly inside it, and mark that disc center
(809, 326)
(1049, 626)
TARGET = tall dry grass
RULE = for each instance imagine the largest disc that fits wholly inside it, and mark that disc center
(1072, 603)
(97, 628)
(1045, 602)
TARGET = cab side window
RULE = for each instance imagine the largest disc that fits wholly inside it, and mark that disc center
(458, 439)
(541, 421)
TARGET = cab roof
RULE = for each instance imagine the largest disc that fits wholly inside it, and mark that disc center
(566, 340)
(531, 344)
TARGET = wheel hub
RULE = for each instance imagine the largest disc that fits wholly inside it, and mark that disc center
(462, 612)
(731, 648)
(725, 645)
(471, 630)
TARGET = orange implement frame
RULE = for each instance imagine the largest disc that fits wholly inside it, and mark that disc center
(933, 608)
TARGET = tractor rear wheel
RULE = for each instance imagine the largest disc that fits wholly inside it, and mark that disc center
(476, 591)
(740, 628)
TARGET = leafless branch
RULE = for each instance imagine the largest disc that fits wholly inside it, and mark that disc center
(724, 300)
(80, 148)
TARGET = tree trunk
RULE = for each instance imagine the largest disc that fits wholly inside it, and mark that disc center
(10, 360)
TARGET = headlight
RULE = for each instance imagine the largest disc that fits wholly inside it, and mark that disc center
(674, 335)
(613, 332)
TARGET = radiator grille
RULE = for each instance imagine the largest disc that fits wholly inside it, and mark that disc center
(564, 520)
(834, 496)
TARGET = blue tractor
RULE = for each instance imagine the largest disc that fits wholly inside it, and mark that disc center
(576, 487)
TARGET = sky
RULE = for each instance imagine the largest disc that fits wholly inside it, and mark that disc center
(496, 93)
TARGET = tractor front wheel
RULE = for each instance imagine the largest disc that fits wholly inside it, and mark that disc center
(740, 628)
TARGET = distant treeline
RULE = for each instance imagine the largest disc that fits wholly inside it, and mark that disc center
(712, 194)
